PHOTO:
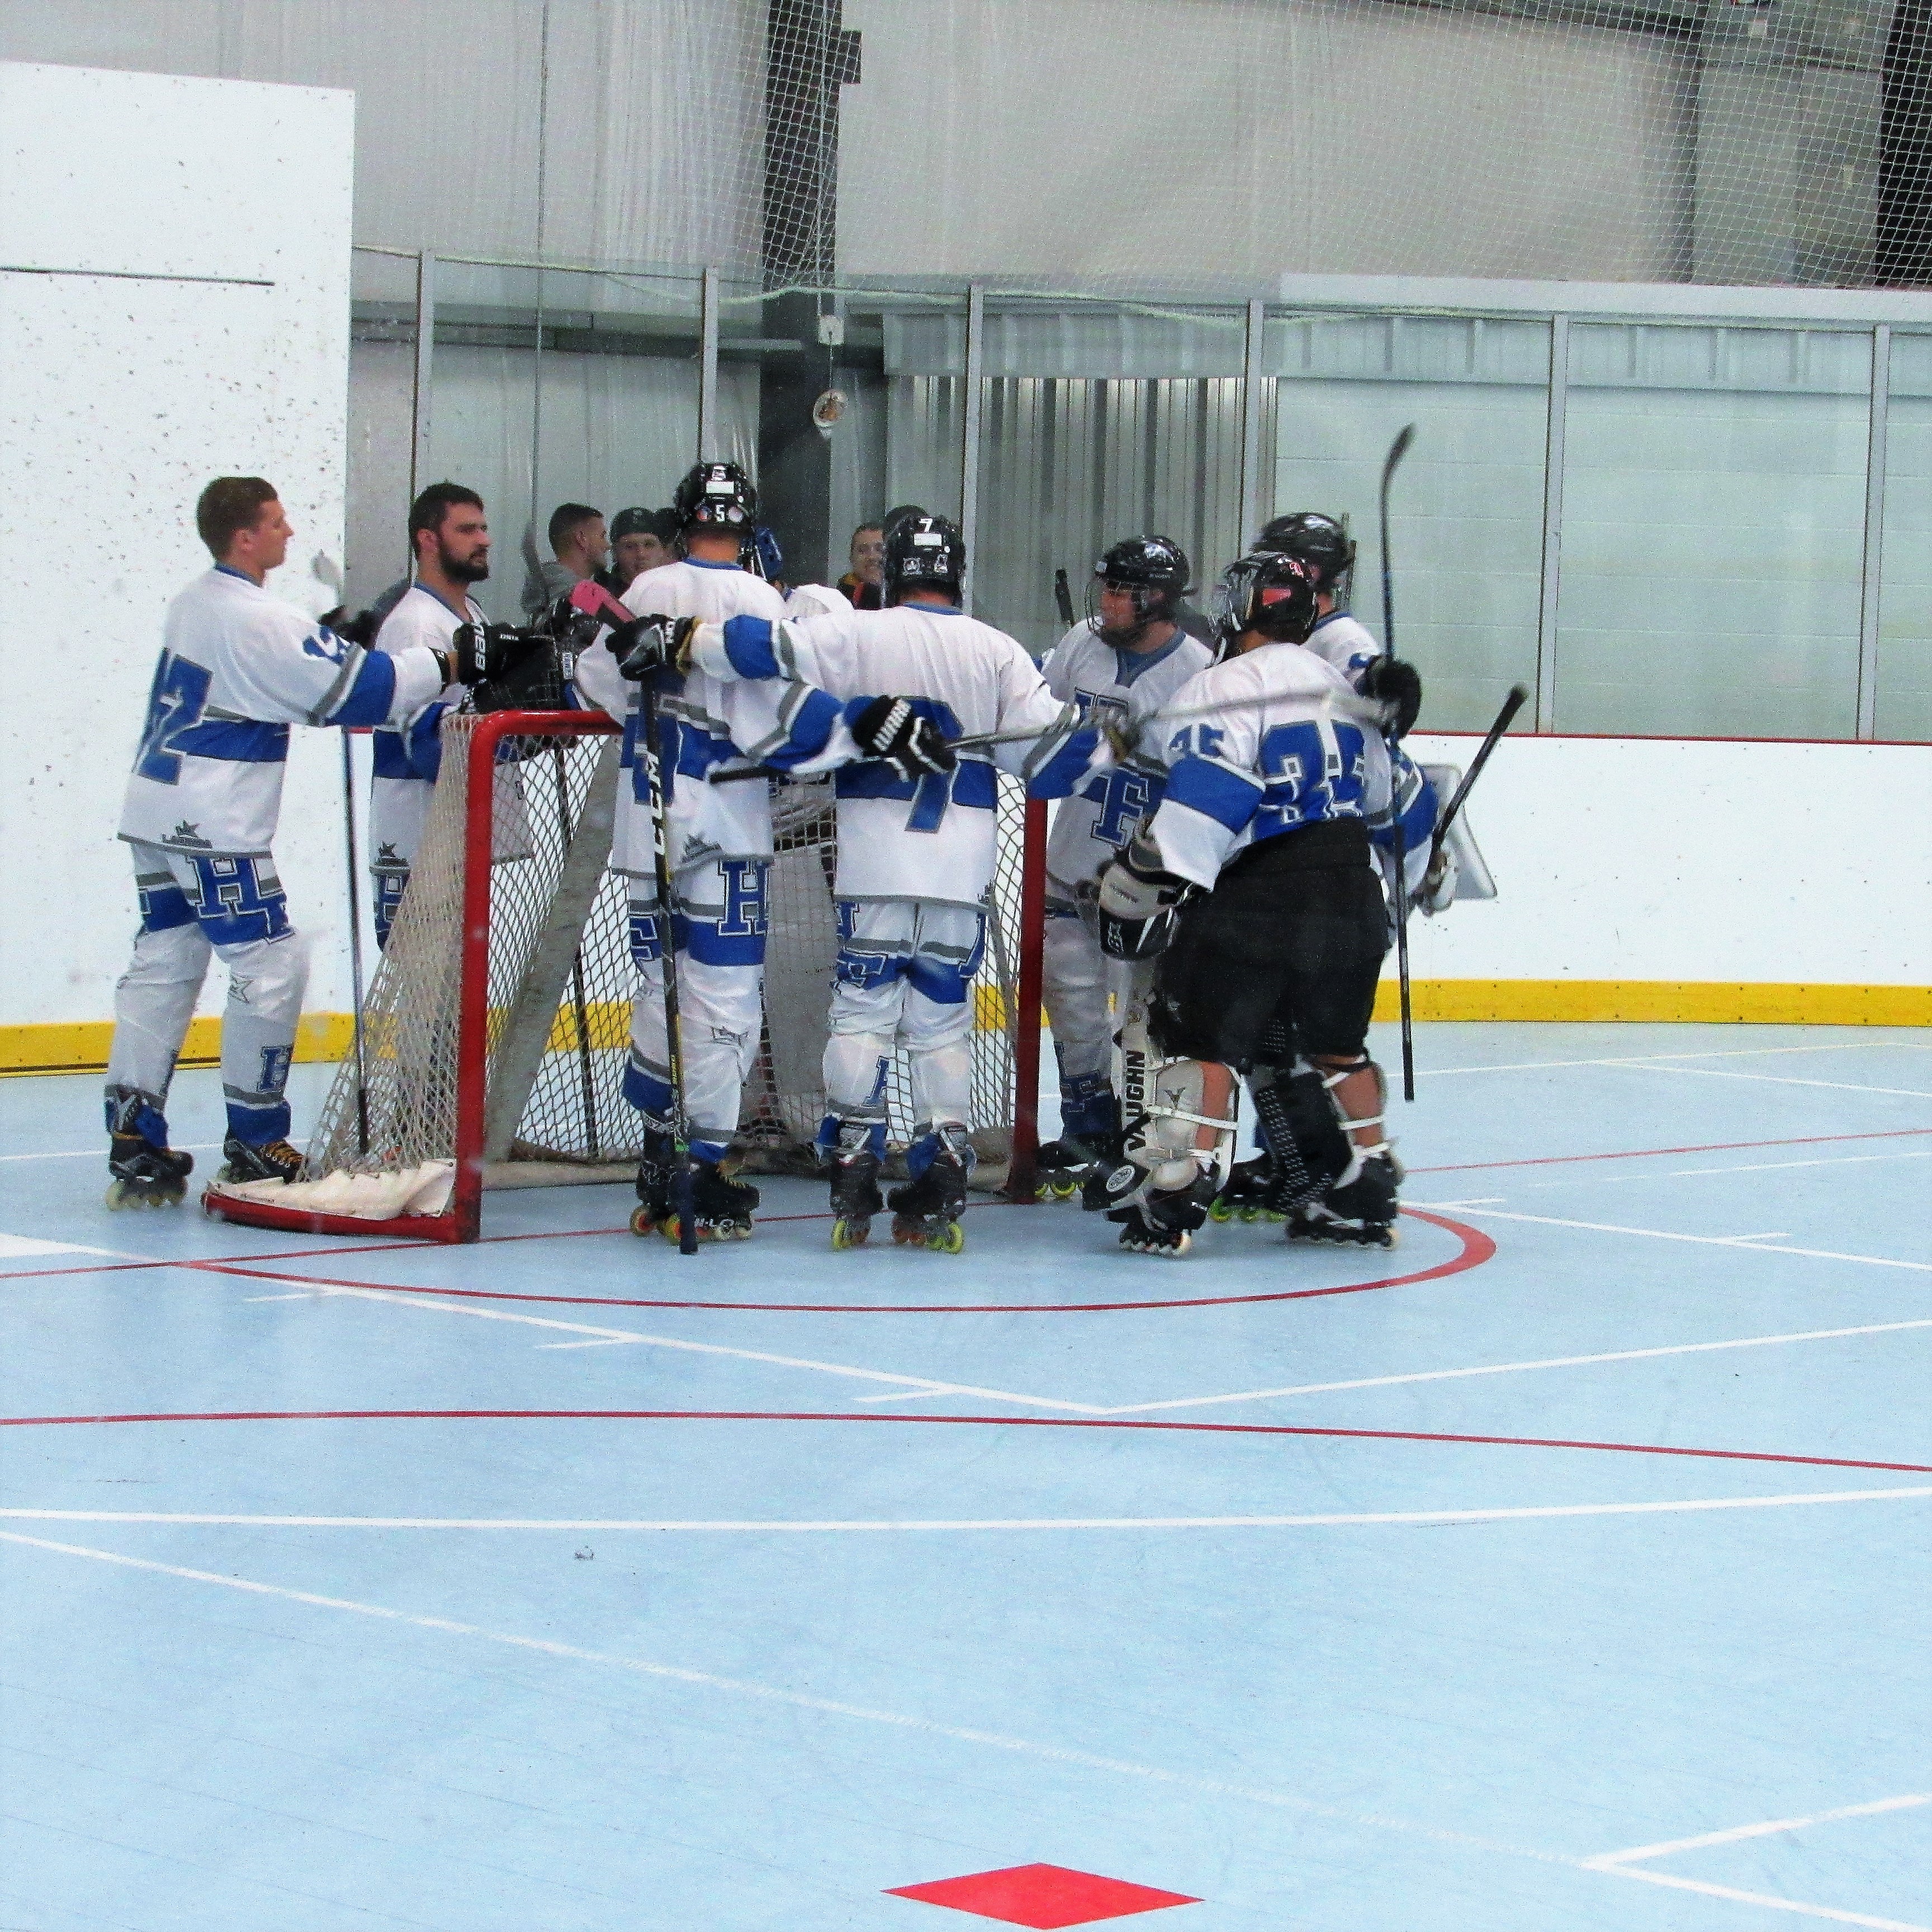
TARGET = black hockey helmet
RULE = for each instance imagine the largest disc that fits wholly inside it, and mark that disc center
(1270, 592)
(898, 515)
(1317, 540)
(717, 497)
(924, 553)
(1153, 570)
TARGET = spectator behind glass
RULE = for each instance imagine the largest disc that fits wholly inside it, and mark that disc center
(640, 540)
(578, 547)
(864, 583)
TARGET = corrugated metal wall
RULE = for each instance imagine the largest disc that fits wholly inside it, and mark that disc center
(1070, 466)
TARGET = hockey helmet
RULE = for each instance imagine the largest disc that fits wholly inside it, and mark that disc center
(1152, 569)
(1270, 592)
(924, 553)
(717, 496)
(1317, 540)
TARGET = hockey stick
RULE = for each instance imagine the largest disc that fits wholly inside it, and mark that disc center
(1337, 703)
(1517, 698)
(355, 943)
(1064, 598)
(1398, 450)
(328, 572)
(680, 1125)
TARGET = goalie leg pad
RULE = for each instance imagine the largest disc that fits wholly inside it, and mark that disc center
(1161, 1153)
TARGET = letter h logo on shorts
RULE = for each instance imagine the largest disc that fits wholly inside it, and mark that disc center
(236, 904)
(744, 914)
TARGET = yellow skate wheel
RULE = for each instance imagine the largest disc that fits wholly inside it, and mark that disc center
(849, 1234)
(949, 1240)
(1219, 1210)
(641, 1221)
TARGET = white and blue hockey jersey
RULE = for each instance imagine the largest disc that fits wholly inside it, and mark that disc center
(407, 758)
(934, 838)
(238, 667)
(705, 725)
(1262, 746)
(1124, 689)
(1346, 642)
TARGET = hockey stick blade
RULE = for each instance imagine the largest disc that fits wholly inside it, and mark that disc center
(1517, 698)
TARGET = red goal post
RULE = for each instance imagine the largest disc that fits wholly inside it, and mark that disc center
(494, 1032)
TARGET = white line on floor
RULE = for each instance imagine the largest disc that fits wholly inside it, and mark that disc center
(1763, 1898)
(100, 1153)
(1538, 1512)
(1756, 1167)
(1507, 1368)
(1788, 1080)
(1639, 1059)
(1749, 1244)
(917, 1384)
(799, 1700)
(1911, 1799)
(25, 1247)
(924, 1726)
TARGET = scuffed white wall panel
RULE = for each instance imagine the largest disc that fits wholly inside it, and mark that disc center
(1691, 860)
(125, 392)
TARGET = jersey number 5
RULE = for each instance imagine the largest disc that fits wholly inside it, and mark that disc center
(175, 703)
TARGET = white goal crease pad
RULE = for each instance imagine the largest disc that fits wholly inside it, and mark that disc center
(422, 1190)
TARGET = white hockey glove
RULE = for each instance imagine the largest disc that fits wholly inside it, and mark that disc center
(1436, 892)
(1138, 904)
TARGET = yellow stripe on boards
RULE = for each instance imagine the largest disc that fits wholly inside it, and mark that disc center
(80, 1046)
(1659, 1002)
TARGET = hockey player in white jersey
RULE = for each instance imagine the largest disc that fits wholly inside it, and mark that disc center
(719, 842)
(238, 667)
(1119, 666)
(1276, 770)
(449, 535)
(917, 837)
(1323, 547)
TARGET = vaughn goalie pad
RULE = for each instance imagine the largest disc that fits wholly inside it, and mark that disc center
(1473, 878)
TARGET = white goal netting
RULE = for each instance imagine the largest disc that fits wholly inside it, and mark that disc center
(554, 966)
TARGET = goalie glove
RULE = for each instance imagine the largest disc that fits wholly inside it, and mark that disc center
(890, 729)
(1138, 904)
(1394, 681)
(643, 645)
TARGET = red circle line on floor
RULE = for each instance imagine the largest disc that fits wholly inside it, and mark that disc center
(1272, 1429)
(1477, 1248)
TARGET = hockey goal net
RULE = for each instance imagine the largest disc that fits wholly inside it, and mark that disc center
(494, 1033)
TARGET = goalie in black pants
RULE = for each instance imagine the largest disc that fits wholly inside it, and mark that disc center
(1253, 888)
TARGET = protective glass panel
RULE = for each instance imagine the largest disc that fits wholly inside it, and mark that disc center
(1466, 505)
(1904, 706)
(1714, 497)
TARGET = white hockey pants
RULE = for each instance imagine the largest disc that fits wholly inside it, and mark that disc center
(720, 922)
(193, 907)
(904, 978)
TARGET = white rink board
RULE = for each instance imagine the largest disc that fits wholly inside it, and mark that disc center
(1692, 859)
(174, 306)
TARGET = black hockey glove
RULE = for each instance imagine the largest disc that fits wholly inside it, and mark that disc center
(1138, 905)
(1394, 681)
(890, 729)
(535, 683)
(482, 652)
(654, 642)
(359, 629)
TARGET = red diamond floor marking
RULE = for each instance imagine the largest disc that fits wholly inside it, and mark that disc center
(1042, 1896)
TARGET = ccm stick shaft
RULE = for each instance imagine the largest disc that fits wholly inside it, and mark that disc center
(680, 1123)
(1398, 450)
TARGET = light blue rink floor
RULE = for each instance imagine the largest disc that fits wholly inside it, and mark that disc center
(1565, 1568)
